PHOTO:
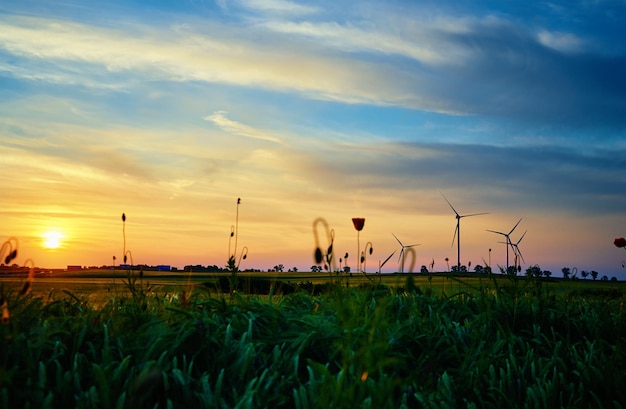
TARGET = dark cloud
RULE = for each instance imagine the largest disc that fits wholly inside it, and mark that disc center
(533, 178)
(511, 75)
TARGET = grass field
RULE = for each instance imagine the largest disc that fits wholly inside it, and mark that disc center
(102, 339)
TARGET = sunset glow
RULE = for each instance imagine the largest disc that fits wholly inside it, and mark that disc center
(52, 239)
(170, 112)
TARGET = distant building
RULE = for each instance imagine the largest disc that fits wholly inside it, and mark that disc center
(74, 268)
(163, 267)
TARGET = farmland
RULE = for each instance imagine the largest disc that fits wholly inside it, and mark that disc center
(97, 285)
(116, 339)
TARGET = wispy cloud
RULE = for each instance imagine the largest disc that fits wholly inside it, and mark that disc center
(564, 42)
(279, 6)
(219, 118)
(488, 66)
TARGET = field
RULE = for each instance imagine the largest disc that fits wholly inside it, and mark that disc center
(119, 339)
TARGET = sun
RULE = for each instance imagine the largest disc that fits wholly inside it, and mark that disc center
(52, 239)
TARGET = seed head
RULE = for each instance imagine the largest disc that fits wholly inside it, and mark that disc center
(318, 256)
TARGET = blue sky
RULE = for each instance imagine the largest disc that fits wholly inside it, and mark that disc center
(169, 111)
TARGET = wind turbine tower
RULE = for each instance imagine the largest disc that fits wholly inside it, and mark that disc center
(508, 241)
(516, 249)
(457, 231)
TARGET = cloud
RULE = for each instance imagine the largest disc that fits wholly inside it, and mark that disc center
(477, 65)
(237, 128)
(278, 6)
(564, 42)
(356, 39)
(532, 178)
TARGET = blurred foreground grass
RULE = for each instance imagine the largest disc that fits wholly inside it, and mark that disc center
(408, 341)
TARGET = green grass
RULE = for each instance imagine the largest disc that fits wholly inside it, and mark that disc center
(438, 343)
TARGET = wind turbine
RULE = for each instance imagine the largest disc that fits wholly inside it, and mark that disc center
(508, 243)
(457, 231)
(516, 249)
(402, 252)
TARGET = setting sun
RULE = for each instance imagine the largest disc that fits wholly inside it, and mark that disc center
(52, 239)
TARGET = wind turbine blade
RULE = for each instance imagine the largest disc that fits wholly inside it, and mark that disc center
(520, 239)
(497, 232)
(387, 259)
(412, 245)
(450, 204)
(520, 254)
(456, 230)
(473, 214)
(398, 240)
(518, 222)
(400, 255)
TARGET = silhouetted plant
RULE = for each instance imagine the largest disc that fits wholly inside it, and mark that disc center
(367, 250)
(359, 223)
(127, 254)
(233, 262)
(326, 259)
(10, 246)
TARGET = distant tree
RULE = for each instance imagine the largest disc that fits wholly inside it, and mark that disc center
(613, 278)
(604, 278)
(479, 269)
(584, 274)
(534, 271)
(424, 269)
(511, 271)
(316, 269)
(566, 272)
(547, 273)
(279, 268)
(462, 269)
(346, 269)
(594, 274)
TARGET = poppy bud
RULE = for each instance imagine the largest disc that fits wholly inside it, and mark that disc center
(371, 250)
(330, 249)
(362, 258)
(318, 255)
(11, 256)
(358, 223)
(123, 217)
(245, 256)
(620, 242)
(346, 256)
(124, 258)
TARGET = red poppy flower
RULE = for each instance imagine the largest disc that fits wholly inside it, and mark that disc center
(620, 242)
(358, 222)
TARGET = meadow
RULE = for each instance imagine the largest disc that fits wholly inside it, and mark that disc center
(176, 340)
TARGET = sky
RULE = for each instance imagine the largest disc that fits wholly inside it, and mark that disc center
(171, 111)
